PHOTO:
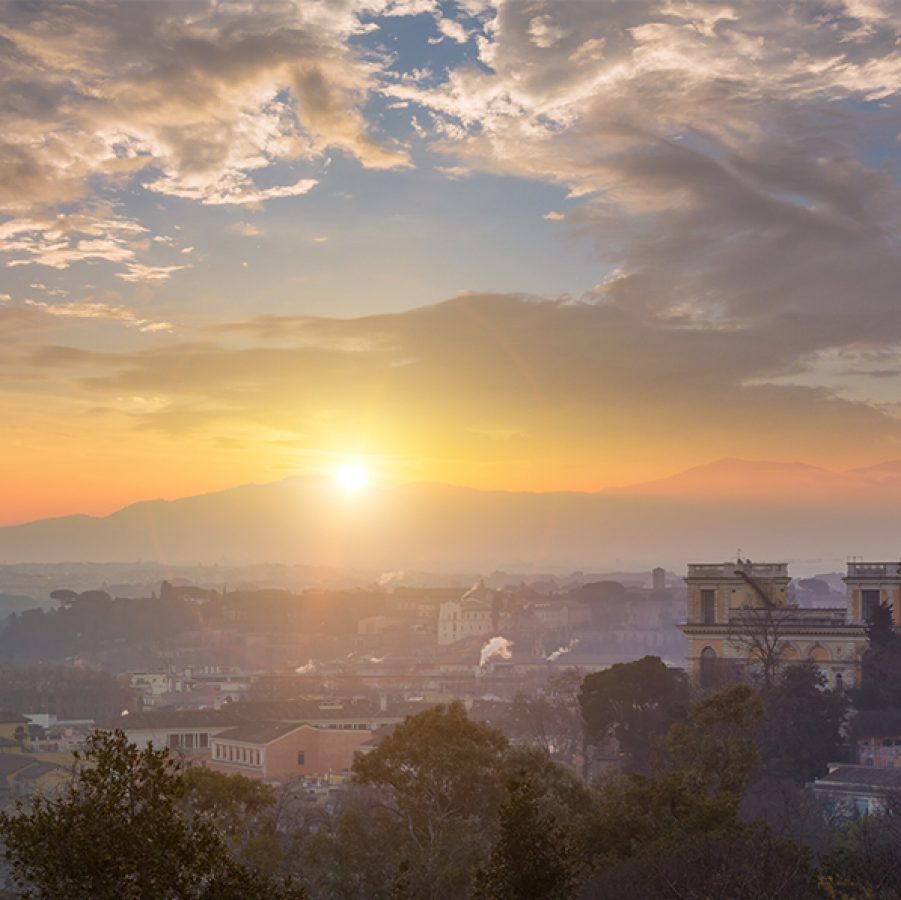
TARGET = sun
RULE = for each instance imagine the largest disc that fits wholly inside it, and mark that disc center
(352, 477)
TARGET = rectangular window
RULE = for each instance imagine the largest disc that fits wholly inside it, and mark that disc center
(189, 742)
(300, 757)
(708, 607)
(203, 740)
(869, 600)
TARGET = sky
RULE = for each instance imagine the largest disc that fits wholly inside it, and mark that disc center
(535, 245)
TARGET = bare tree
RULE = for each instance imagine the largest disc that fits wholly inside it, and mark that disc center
(759, 634)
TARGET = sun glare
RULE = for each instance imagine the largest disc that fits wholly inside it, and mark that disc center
(351, 477)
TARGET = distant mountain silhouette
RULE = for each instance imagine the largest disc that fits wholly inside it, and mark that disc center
(769, 509)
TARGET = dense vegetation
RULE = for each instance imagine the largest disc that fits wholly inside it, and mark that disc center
(709, 803)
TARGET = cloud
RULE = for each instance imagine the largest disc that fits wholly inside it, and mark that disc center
(579, 390)
(141, 272)
(730, 161)
(452, 29)
(93, 309)
(200, 97)
(62, 240)
(246, 229)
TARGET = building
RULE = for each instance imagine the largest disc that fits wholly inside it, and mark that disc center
(871, 583)
(475, 614)
(739, 615)
(187, 731)
(875, 737)
(280, 751)
(13, 726)
(851, 791)
(25, 775)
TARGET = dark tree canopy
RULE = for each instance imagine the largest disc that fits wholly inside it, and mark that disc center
(801, 731)
(881, 664)
(633, 703)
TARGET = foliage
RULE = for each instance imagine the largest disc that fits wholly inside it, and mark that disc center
(118, 831)
(355, 855)
(881, 664)
(242, 810)
(714, 748)
(749, 864)
(532, 858)
(633, 703)
(865, 860)
(801, 731)
(440, 776)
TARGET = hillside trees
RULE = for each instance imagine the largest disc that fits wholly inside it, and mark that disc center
(118, 831)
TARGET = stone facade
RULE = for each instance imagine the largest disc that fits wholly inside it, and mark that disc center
(735, 607)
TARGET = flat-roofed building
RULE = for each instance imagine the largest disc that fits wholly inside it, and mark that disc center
(870, 584)
(740, 616)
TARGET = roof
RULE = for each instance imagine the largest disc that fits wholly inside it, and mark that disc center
(260, 732)
(10, 763)
(173, 718)
(38, 769)
(7, 718)
(863, 776)
(379, 735)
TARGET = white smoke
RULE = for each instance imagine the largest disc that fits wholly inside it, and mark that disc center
(387, 578)
(561, 650)
(308, 669)
(376, 659)
(497, 646)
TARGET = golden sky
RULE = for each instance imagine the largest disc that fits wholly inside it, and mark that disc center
(543, 246)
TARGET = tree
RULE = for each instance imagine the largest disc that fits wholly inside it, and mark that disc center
(801, 730)
(749, 864)
(634, 704)
(758, 634)
(533, 857)
(714, 747)
(439, 774)
(881, 663)
(117, 831)
(243, 810)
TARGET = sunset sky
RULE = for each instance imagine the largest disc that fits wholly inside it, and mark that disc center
(527, 245)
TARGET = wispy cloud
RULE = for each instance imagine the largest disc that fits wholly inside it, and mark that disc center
(93, 309)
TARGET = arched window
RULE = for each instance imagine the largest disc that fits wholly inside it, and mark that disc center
(708, 667)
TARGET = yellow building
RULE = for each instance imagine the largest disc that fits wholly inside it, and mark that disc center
(13, 727)
(739, 616)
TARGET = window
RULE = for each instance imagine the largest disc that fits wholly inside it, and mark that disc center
(708, 667)
(203, 740)
(189, 742)
(869, 600)
(300, 757)
(708, 606)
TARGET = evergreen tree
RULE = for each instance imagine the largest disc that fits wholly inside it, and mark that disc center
(532, 857)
